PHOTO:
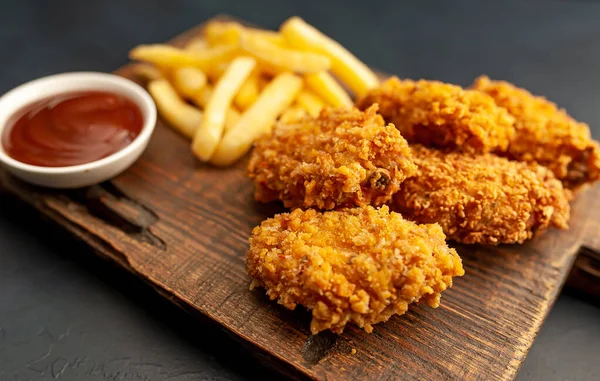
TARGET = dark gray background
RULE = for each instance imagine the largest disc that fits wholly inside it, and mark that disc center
(71, 316)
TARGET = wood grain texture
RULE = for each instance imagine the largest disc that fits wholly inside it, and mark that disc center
(184, 227)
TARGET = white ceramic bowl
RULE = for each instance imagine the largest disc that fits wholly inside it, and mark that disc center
(84, 174)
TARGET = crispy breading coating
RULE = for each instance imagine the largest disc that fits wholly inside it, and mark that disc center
(546, 134)
(482, 198)
(442, 115)
(359, 265)
(342, 158)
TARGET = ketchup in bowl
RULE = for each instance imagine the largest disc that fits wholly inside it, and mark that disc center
(72, 129)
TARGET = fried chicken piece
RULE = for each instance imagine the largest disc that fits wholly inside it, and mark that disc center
(342, 158)
(482, 198)
(359, 265)
(546, 134)
(442, 115)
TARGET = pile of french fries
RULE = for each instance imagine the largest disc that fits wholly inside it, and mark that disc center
(230, 86)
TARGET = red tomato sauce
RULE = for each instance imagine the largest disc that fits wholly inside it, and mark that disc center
(72, 129)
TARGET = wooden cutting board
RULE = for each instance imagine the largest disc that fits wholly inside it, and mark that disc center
(183, 227)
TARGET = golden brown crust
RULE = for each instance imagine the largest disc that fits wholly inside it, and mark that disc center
(482, 199)
(342, 158)
(442, 115)
(546, 134)
(359, 265)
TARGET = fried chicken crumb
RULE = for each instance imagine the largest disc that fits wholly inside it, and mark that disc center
(546, 134)
(359, 265)
(342, 158)
(482, 198)
(353, 351)
(442, 115)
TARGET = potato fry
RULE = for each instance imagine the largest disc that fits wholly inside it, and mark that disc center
(201, 99)
(178, 114)
(280, 58)
(344, 64)
(231, 118)
(292, 114)
(230, 32)
(258, 119)
(209, 134)
(263, 81)
(196, 44)
(248, 93)
(310, 102)
(222, 32)
(216, 71)
(269, 70)
(170, 56)
(268, 35)
(147, 72)
(188, 81)
(325, 86)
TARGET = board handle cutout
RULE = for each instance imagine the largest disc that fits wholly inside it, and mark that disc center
(585, 274)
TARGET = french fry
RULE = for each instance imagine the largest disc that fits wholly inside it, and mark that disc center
(311, 103)
(268, 35)
(280, 58)
(344, 64)
(325, 86)
(248, 93)
(258, 119)
(263, 81)
(196, 44)
(178, 114)
(209, 134)
(230, 32)
(170, 56)
(216, 71)
(147, 72)
(188, 81)
(292, 114)
(222, 32)
(201, 98)
(232, 116)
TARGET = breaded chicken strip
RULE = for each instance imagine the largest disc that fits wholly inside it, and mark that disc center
(342, 158)
(546, 134)
(441, 115)
(359, 265)
(482, 199)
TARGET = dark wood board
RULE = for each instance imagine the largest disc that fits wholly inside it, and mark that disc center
(184, 227)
